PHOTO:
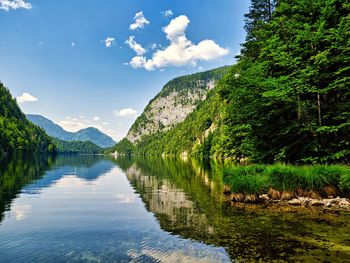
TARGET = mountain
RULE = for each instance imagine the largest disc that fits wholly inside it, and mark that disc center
(174, 103)
(56, 131)
(17, 134)
(95, 136)
(285, 100)
(50, 127)
(73, 147)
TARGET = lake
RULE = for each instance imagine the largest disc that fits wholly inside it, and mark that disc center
(100, 209)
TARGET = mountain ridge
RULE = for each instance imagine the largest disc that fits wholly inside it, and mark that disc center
(88, 134)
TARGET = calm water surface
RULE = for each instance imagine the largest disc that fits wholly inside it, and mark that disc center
(98, 209)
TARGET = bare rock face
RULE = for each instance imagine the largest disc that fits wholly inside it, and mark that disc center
(173, 104)
(164, 112)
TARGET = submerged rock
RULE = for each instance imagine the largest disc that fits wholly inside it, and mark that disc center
(237, 198)
(330, 191)
(295, 201)
(264, 197)
(290, 198)
(316, 203)
(344, 204)
(251, 199)
(274, 194)
(287, 195)
(227, 190)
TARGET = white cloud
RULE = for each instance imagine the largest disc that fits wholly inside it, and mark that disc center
(138, 62)
(140, 21)
(153, 46)
(73, 44)
(180, 51)
(72, 125)
(109, 42)
(26, 97)
(168, 13)
(127, 112)
(135, 46)
(14, 4)
(176, 28)
(96, 118)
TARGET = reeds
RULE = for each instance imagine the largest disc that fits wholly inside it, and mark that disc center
(258, 179)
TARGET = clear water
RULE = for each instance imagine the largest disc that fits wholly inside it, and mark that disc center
(99, 209)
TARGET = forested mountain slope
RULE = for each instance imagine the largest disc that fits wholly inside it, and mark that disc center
(17, 134)
(74, 147)
(178, 98)
(286, 99)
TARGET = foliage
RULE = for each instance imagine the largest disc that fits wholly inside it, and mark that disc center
(85, 147)
(182, 85)
(287, 98)
(17, 134)
(256, 179)
(294, 95)
(124, 147)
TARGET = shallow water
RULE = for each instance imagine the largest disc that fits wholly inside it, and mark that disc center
(98, 209)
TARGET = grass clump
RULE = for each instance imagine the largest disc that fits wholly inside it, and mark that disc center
(257, 179)
(246, 179)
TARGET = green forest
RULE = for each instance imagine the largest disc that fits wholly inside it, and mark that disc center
(74, 147)
(285, 100)
(17, 134)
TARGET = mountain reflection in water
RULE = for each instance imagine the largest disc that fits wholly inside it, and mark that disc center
(86, 208)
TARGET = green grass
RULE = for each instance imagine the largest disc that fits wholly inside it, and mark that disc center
(256, 179)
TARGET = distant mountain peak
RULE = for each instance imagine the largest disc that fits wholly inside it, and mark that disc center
(87, 134)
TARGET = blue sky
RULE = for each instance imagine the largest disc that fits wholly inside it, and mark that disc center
(99, 62)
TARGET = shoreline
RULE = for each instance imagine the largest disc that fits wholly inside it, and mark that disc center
(292, 201)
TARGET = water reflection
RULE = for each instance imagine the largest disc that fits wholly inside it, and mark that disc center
(86, 167)
(18, 172)
(83, 209)
(98, 209)
(187, 201)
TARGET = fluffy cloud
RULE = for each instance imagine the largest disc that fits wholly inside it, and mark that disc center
(96, 118)
(140, 21)
(135, 46)
(109, 41)
(168, 13)
(26, 97)
(176, 28)
(138, 62)
(127, 112)
(181, 51)
(14, 4)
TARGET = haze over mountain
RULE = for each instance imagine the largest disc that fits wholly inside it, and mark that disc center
(89, 134)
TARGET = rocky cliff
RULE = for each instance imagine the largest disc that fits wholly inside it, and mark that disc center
(174, 103)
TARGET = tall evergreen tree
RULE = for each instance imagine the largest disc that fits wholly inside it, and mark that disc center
(260, 13)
